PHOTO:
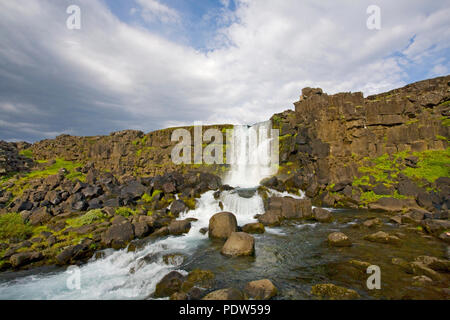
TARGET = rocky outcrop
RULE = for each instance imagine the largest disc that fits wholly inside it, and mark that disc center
(327, 141)
(11, 159)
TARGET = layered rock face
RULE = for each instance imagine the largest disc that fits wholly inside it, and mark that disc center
(123, 152)
(330, 136)
(10, 158)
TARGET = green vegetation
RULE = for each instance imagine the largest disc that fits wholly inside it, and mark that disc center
(54, 169)
(441, 138)
(385, 169)
(432, 164)
(88, 218)
(445, 121)
(26, 153)
(149, 198)
(125, 212)
(12, 226)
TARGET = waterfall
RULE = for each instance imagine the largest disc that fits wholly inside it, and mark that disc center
(254, 155)
(129, 275)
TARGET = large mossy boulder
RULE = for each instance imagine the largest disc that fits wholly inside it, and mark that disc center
(222, 225)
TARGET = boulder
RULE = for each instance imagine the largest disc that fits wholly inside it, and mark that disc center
(118, 235)
(222, 225)
(40, 216)
(270, 218)
(333, 292)
(141, 229)
(253, 228)
(23, 258)
(435, 226)
(435, 263)
(382, 237)
(178, 227)
(403, 264)
(225, 294)
(169, 284)
(179, 296)
(339, 239)
(322, 215)
(177, 207)
(420, 268)
(372, 223)
(199, 278)
(73, 253)
(361, 265)
(260, 290)
(393, 204)
(239, 244)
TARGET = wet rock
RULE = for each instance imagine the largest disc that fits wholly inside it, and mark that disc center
(178, 207)
(333, 292)
(225, 294)
(361, 265)
(141, 229)
(118, 235)
(161, 232)
(382, 237)
(403, 264)
(413, 216)
(24, 258)
(420, 268)
(179, 227)
(199, 278)
(322, 215)
(270, 218)
(169, 284)
(435, 226)
(239, 244)
(179, 296)
(174, 259)
(339, 239)
(261, 289)
(445, 236)
(203, 230)
(421, 281)
(253, 228)
(74, 253)
(396, 219)
(222, 225)
(435, 263)
(372, 223)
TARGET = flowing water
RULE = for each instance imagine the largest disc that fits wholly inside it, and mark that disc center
(294, 256)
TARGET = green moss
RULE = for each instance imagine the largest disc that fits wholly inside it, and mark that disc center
(432, 164)
(370, 196)
(125, 212)
(439, 137)
(12, 226)
(26, 153)
(190, 203)
(445, 121)
(88, 218)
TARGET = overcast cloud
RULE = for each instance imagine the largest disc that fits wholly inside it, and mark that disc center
(118, 73)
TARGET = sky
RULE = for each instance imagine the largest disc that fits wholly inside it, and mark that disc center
(152, 64)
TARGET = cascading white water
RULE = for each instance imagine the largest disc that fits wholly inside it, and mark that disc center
(252, 155)
(129, 275)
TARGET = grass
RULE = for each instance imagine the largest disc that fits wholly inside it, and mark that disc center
(88, 218)
(12, 226)
(149, 198)
(54, 169)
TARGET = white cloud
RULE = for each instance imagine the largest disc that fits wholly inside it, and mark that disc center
(154, 10)
(110, 75)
